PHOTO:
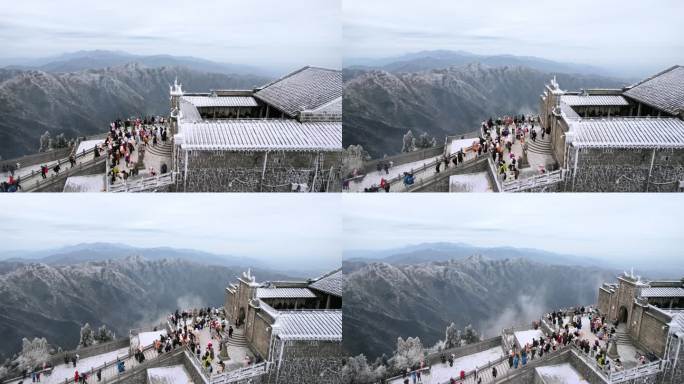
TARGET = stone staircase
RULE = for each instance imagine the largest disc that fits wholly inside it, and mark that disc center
(238, 339)
(162, 149)
(540, 146)
(622, 338)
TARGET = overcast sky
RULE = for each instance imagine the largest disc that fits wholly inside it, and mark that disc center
(303, 230)
(636, 36)
(259, 33)
(613, 227)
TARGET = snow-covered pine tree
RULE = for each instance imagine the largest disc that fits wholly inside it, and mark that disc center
(87, 336)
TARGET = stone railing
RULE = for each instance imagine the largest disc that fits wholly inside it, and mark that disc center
(145, 183)
(241, 374)
(41, 183)
(535, 181)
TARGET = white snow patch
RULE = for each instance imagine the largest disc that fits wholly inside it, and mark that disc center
(560, 374)
(89, 183)
(525, 337)
(88, 144)
(148, 338)
(63, 371)
(472, 182)
(373, 177)
(440, 373)
(168, 375)
(464, 144)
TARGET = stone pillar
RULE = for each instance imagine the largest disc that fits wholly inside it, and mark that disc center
(612, 349)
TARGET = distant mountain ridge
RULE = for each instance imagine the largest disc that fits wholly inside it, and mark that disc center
(380, 106)
(101, 59)
(384, 301)
(40, 300)
(439, 59)
(93, 252)
(84, 102)
(444, 251)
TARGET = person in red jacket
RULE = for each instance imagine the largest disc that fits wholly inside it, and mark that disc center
(76, 377)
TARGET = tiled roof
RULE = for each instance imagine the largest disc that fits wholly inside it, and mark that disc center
(284, 293)
(261, 135)
(593, 100)
(189, 112)
(662, 292)
(309, 325)
(305, 89)
(664, 91)
(628, 133)
(332, 283)
(568, 111)
(221, 101)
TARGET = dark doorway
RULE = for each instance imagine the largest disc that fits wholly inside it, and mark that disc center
(622, 315)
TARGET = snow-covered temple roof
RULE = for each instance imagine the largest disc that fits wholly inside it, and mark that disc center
(189, 112)
(593, 100)
(305, 89)
(664, 91)
(628, 133)
(310, 325)
(331, 111)
(332, 283)
(662, 292)
(261, 135)
(168, 375)
(284, 293)
(568, 112)
(221, 101)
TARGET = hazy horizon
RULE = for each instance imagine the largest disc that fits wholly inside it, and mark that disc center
(243, 225)
(267, 34)
(629, 229)
(629, 39)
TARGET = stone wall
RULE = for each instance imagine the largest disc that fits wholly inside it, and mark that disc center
(309, 363)
(625, 297)
(466, 350)
(403, 158)
(223, 171)
(94, 350)
(261, 336)
(36, 158)
(441, 182)
(675, 373)
(652, 334)
(626, 170)
(604, 300)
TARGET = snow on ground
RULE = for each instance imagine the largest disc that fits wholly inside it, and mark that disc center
(440, 373)
(88, 144)
(373, 177)
(560, 374)
(168, 375)
(525, 337)
(90, 183)
(148, 338)
(63, 371)
(472, 182)
(457, 145)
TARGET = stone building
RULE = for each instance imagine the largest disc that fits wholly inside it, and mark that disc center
(297, 325)
(629, 140)
(653, 315)
(283, 136)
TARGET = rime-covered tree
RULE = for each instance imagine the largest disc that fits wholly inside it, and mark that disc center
(408, 142)
(60, 141)
(358, 371)
(104, 334)
(453, 337)
(470, 335)
(45, 142)
(424, 141)
(87, 336)
(409, 353)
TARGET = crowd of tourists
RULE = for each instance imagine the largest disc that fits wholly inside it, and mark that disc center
(123, 139)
